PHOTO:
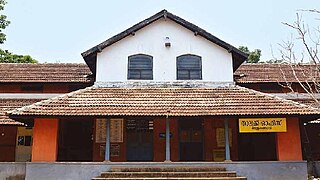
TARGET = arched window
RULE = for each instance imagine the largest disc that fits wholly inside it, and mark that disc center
(140, 67)
(189, 67)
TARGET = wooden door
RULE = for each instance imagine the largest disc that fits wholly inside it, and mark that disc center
(75, 140)
(191, 140)
(139, 140)
(257, 147)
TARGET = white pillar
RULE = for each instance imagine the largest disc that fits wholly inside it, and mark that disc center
(226, 134)
(107, 153)
(167, 139)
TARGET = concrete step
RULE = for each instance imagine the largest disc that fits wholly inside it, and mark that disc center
(173, 173)
(167, 169)
(175, 178)
(168, 174)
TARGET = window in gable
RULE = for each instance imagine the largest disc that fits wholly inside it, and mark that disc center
(189, 67)
(140, 67)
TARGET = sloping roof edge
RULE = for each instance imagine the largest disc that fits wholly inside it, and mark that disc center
(90, 55)
(298, 108)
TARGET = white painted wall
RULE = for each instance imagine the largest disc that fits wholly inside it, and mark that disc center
(112, 62)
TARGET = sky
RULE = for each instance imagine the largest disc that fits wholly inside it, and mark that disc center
(60, 30)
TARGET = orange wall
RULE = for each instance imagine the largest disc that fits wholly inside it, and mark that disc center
(289, 143)
(45, 140)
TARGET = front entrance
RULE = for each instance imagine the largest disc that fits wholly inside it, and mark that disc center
(257, 147)
(191, 139)
(139, 140)
(75, 140)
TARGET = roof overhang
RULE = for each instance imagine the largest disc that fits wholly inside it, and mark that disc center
(173, 101)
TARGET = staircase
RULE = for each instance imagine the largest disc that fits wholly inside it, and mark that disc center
(173, 173)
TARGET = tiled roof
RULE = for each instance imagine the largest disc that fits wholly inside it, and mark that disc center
(313, 103)
(234, 100)
(264, 73)
(54, 72)
(10, 104)
(309, 102)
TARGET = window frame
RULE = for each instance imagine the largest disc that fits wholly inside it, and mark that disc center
(139, 69)
(189, 70)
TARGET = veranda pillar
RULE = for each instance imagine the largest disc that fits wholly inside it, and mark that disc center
(107, 152)
(226, 135)
(167, 140)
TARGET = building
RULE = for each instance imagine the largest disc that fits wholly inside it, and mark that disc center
(145, 84)
(25, 84)
(297, 82)
(164, 91)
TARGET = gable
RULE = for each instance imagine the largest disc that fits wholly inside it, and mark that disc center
(90, 56)
(112, 60)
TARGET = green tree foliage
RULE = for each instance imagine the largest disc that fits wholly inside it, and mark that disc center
(254, 56)
(5, 55)
(275, 61)
(3, 22)
(8, 57)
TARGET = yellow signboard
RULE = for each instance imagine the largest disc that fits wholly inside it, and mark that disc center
(257, 125)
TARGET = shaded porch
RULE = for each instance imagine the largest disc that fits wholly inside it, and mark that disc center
(171, 139)
(173, 108)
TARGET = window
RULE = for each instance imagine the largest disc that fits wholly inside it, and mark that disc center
(189, 67)
(24, 141)
(140, 67)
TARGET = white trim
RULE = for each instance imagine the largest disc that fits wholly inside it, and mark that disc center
(296, 96)
(164, 84)
(27, 95)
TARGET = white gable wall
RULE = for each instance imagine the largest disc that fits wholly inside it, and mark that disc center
(112, 62)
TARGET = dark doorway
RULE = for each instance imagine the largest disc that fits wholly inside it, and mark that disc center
(257, 147)
(75, 140)
(8, 135)
(139, 140)
(310, 138)
(191, 139)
